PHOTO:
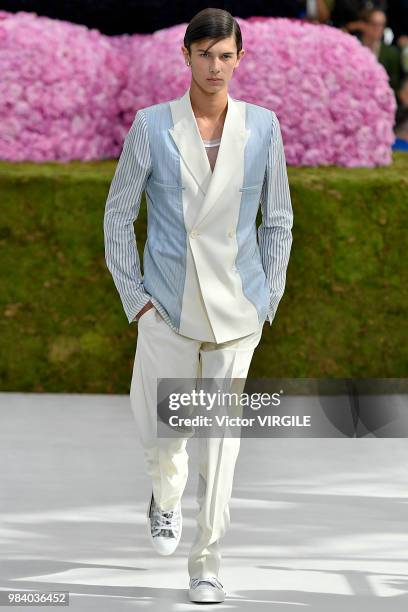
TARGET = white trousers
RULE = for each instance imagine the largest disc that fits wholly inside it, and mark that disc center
(163, 353)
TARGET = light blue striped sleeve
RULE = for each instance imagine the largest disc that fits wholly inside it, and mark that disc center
(121, 210)
(274, 233)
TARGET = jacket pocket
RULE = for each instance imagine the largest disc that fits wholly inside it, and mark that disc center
(250, 187)
(166, 186)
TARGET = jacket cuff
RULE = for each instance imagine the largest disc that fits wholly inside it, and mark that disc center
(140, 301)
(272, 312)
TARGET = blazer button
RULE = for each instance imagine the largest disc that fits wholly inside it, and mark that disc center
(231, 233)
(194, 233)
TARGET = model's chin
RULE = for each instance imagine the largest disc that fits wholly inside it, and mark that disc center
(208, 86)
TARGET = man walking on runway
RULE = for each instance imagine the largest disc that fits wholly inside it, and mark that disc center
(206, 162)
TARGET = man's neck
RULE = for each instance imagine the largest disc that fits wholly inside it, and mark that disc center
(210, 107)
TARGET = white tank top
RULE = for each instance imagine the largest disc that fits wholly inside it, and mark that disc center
(211, 147)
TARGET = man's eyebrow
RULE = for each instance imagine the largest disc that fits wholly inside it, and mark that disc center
(223, 53)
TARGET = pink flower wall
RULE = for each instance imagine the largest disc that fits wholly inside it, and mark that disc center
(67, 92)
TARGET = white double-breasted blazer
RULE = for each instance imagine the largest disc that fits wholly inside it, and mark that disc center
(209, 271)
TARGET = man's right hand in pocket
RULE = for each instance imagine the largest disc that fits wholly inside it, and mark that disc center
(145, 308)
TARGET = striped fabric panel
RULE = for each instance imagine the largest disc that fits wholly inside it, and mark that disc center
(274, 233)
(121, 210)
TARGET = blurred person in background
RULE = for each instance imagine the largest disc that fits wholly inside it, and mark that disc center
(403, 44)
(401, 130)
(402, 94)
(346, 14)
(374, 21)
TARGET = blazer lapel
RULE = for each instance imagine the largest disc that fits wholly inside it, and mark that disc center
(187, 138)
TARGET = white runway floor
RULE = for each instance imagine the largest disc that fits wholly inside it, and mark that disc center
(316, 524)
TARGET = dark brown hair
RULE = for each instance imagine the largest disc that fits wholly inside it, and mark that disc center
(212, 23)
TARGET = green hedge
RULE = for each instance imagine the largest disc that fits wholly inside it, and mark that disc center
(344, 312)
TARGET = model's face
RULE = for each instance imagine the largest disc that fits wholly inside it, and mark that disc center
(218, 62)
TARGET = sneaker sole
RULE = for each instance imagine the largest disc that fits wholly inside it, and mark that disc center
(205, 596)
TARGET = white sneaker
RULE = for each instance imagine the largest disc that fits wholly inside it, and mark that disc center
(208, 590)
(164, 528)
